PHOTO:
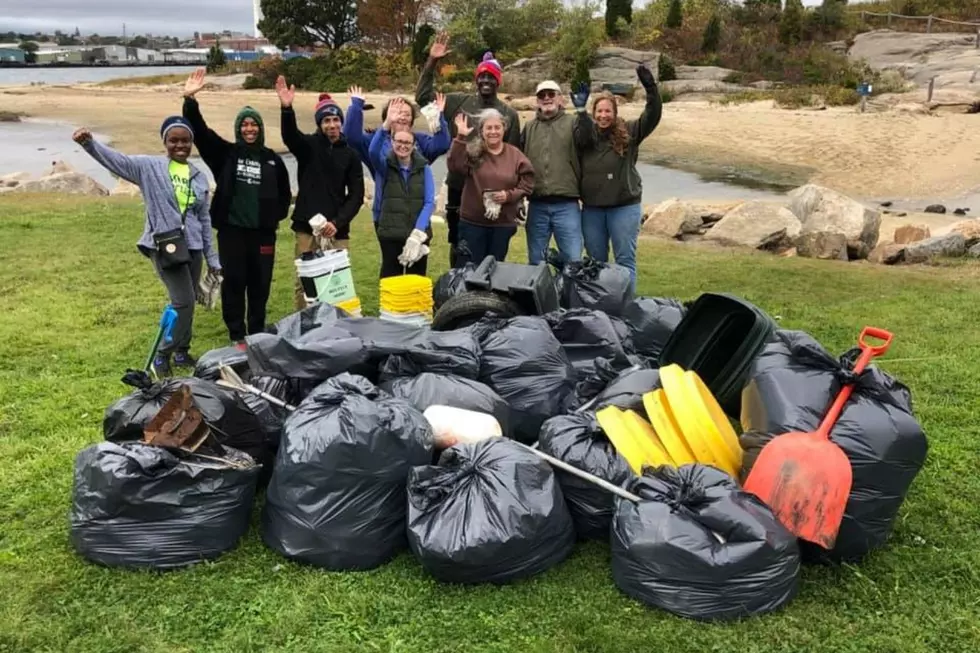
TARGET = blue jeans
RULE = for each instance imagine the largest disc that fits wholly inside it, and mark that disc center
(483, 242)
(563, 219)
(621, 225)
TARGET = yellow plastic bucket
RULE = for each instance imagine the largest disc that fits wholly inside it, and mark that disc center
(612, 423)
(667, 429)
(654, 453)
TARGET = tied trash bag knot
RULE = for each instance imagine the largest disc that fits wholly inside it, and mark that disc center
(140, 380)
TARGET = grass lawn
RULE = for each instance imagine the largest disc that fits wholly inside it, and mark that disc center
(79, 306)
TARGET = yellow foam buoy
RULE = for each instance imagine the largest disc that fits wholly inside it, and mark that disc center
(700, 419)
(613, 425)
(654, 453)
(666, 427)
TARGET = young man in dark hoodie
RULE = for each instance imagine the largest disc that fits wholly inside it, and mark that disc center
(331, 177)
(251, 198)
(489, 78)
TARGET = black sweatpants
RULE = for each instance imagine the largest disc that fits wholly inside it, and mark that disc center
(247, 258)
(181, 283)
(390, 267)
(453, 198)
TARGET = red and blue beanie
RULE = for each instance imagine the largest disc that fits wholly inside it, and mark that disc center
(491, 66)
(326, 106)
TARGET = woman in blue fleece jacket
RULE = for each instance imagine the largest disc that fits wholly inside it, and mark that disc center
(405, 197)
(176, 195)
(399, 115)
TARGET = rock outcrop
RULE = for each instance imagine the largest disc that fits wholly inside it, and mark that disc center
(758, 225)
(823, 210)
(72, 183)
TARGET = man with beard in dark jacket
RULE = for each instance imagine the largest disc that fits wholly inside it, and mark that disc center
(331, 178)
(252, 196)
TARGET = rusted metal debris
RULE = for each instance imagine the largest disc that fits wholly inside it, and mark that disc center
(180, 424)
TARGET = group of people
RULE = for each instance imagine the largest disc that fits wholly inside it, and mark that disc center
(574, 176)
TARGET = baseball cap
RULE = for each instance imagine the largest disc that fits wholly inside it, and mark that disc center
(548, 85)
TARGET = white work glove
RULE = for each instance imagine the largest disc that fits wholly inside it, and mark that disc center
(431, 112)
(414, 249)
(209, 289)
(491, 209)
(522, 212)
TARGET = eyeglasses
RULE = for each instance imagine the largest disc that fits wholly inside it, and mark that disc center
(544, 95)
(405, 143)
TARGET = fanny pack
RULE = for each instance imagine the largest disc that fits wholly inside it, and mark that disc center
(172, 250)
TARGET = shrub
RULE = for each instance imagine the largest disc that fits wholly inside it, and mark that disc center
(665, 68)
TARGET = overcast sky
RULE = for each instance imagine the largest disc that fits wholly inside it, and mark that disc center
(170, 17)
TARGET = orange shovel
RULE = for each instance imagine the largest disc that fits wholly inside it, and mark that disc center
(804, 477)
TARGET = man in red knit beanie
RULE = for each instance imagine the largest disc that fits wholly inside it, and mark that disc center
(331, 178)
(489, 77)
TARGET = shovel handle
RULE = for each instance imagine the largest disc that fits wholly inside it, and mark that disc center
(868, 352)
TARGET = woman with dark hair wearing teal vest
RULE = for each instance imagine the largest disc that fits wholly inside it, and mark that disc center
(404, 182)
(251, 198)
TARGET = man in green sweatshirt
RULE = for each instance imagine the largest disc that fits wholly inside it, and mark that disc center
(489, 78)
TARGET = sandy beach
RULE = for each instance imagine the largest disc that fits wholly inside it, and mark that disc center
(890, 154)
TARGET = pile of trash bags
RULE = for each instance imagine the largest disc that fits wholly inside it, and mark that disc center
(357, 475)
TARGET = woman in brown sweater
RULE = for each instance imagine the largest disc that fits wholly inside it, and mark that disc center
(498, 178)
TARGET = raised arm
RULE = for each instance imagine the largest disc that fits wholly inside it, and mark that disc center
(212, 147)
(429, 205)
(458, 160)
(653, 110)
(425, 91)
(292, 137)
(583, 130)
(128, 167)
(376, 153)
(353, 127)
(438, 144)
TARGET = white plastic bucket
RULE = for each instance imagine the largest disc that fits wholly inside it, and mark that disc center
(327, 279)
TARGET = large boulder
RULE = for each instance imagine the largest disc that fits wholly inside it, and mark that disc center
(820, 209)
(822, 245)
(13, 180)
(911, 233)
(126, 189)
(72, 183)
(760, 225)
(672, 218)
(969, 229)
(948, 245)
(615, 65)
(712, 73)
(887, 253)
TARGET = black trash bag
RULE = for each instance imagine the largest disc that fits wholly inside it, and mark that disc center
(439, 352)
(450, 284)
(337, 498)
(316, 355)
(141, 506)
(234, 422)
(589, 283)
(665, 553)
(586, 335)
(428, 389)
(615, 384)
(651, 321)
(579, 441)
(489, 512)
(792, 384)
(526, 365)
(208, 365)
(312, 317)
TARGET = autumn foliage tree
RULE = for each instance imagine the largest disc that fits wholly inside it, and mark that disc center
(392, 24)
(308, 22)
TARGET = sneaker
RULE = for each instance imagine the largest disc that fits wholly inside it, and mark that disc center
(184, 359)
(161, 366)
